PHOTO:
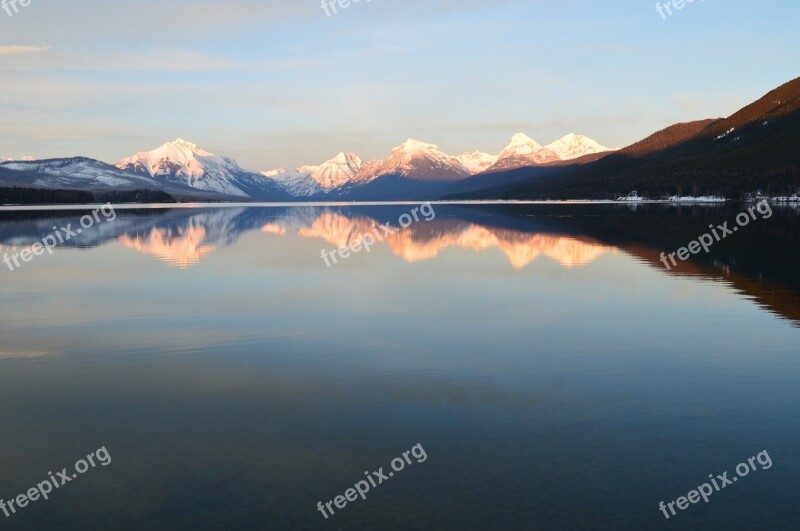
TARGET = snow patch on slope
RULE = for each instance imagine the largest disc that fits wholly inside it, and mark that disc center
(296, 183)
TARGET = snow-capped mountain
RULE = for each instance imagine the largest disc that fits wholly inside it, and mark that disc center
(80, 173)
(296, 183)
(344, 174)
(414, 160)
(273, 173)
(523, 151)
(334, 173)
(26, 158)
(312, 180)
(184, 163)
(575, 146)
(477, 162)
(413, 170)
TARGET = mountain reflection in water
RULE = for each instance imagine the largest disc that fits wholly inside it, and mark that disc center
(757, 262)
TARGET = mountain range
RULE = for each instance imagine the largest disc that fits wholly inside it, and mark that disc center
(419, 167)
(754, 150)
(186, 171)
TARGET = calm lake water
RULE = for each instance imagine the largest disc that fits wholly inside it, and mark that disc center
(555, 373)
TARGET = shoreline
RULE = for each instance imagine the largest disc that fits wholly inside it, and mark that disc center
(133, 206)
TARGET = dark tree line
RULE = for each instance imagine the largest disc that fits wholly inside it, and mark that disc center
(39, 196)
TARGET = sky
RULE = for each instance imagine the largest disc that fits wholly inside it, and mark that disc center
(280, 83)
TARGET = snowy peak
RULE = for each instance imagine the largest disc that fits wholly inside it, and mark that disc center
(185, 145)
(273, 173)
(415, 146)
(334, 173)
(414, 149)
(178, 158)
(311, 180)
(415, 160)
(521, 144)
(574, 146)
(477, 162)
(523, 151)
(81, 173)
(349, 159)
(26, 158)
(182, 162)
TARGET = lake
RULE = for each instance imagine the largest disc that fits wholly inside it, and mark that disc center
(546, 368)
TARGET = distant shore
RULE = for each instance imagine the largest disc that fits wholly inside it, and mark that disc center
(637, 201)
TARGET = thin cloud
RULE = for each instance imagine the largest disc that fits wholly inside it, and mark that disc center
(176, 60)
(22, 49)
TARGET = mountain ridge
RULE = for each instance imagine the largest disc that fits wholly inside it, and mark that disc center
(752, 150)
(422, 166)
(184, 163)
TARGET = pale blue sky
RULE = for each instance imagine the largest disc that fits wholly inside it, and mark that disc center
(281, 84)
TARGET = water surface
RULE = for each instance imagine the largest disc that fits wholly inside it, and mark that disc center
(556, 374)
